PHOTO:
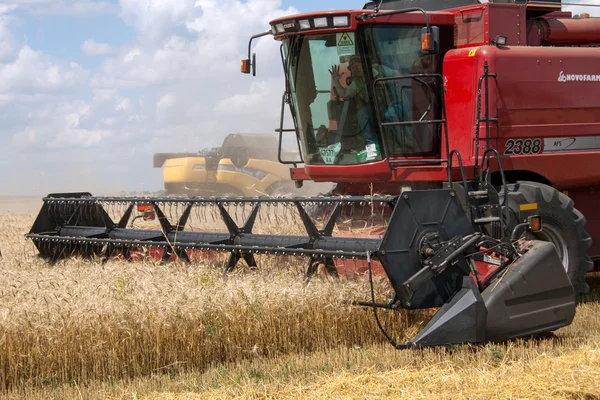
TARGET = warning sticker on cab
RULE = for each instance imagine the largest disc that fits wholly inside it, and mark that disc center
(345, 43)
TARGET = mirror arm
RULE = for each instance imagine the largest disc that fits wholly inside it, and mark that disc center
(251, 60)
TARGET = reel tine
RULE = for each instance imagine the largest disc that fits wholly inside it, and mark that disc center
(234, 257)
(126, 253)
(330, 267)
(249, 258)
(108, 253)
(311, 270)
(183, 255)
(166, 255)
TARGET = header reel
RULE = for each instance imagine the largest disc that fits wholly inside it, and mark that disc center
(488, 289)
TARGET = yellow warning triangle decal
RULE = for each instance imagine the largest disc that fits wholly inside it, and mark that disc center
(345, 40)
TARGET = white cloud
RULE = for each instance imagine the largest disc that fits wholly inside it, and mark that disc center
(93, 49)
(7, 8)
(33, 73)
(102, 95)
(175, 87)
(123, 104)
(108, 121)
(24, 138)
(242, 103)
(207, 48)
(165, 102)
(131, 55)
(65, 125)
(6, 40)
(155, 17)
(74, 137)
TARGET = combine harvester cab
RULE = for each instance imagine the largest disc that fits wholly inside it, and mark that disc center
(402, 104)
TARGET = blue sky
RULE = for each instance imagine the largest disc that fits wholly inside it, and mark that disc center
(90, 89)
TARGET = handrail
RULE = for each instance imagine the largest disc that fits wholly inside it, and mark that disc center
(460, 165)
(462, 174)
(485, 76)
(502, 177)
(443, 121)
(281, 130)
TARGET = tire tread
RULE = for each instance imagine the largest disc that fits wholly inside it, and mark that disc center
(533, 192)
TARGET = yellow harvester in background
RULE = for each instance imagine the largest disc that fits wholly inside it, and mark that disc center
(245, 165)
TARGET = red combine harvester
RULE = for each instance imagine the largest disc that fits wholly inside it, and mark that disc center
(443, 122)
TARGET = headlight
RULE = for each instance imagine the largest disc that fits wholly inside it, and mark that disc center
(320, 22)
(340, 20)
(304, 24)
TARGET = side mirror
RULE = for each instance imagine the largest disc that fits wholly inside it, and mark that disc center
(430, 41)
(248, 64)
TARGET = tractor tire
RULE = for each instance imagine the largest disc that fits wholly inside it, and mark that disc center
(562, 225)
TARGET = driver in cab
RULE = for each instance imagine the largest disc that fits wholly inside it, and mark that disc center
(357, 90)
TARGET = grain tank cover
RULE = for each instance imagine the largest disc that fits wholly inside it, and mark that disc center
(437, 5)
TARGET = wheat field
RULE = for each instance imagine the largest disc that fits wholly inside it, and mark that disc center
(83, 329)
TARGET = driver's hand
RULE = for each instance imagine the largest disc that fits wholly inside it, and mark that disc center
(335, 72)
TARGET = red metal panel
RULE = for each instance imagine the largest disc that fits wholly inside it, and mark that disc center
(507, 20)
(374, 172)
(470, 27)
(562, 170)
(420, 174)
(572, 31)
(549, 92)
(538, 28)
(298, 174)
(411, 18)
(377, 171)
(460, 83)
(462, 70)
(391, 187)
